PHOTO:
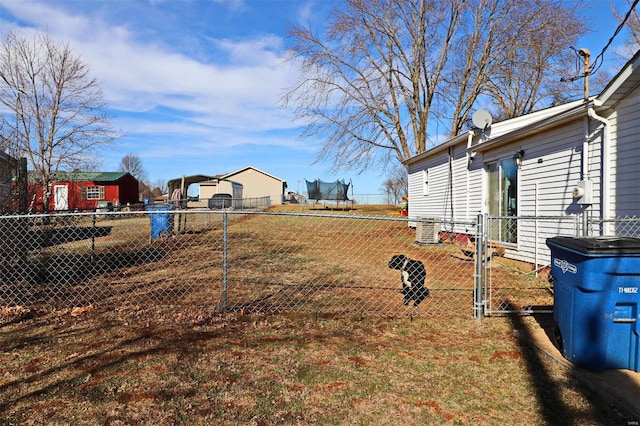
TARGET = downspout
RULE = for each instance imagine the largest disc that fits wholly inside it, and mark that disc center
(605, 189)
(470, 158)
(535, 224)
(451, 202)
(585, 143)
(584, 173)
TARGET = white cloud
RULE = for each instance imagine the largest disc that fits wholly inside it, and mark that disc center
(138, 76)
(208, 106)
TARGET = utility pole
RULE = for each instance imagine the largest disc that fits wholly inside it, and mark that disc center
(587, 63)
(586, 55)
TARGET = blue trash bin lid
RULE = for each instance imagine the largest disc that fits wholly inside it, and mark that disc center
(159, 207)
(598, 245)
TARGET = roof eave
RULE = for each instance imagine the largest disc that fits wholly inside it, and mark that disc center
(626, 80)
(252, 168)
(533, 128)
(463, 137)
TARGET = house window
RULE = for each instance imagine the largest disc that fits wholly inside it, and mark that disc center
(425, 182)
(93, 192)
(503, 200)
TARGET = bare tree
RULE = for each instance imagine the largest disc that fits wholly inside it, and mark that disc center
(514, 53)
(133, 164)
(52, 110)
(631, 19)
(396, 185)
(372, 83)
(531, 72)
(159, 187)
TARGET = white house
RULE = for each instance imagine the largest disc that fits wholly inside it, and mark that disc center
(579, 160)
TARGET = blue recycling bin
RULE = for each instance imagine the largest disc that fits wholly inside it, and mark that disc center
(161, 223)
(596, 299)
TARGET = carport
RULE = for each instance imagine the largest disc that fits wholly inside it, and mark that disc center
(183, 183)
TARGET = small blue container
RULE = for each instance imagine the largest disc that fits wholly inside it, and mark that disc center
(161, 223)
(596, 300)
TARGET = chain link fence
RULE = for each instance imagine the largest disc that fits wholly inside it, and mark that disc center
(224, 261)
(516, 274)
(622, 226)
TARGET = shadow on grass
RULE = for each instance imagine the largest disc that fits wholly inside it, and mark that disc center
(97, 368)
(39, 382)
(55, 236)
(550, 393)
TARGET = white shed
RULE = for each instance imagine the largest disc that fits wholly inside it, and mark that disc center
(259, 184)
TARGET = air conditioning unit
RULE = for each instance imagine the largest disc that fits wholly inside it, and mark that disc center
(428, 230)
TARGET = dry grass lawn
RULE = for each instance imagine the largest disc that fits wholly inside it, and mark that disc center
(92, 367)
(126, 364)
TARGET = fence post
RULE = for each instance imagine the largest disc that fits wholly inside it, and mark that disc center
(478, 303)
(223, 302)
(93, 238)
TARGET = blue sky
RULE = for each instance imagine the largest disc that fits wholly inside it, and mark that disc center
(195, 84)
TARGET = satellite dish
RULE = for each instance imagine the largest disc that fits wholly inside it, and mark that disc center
(481, 119)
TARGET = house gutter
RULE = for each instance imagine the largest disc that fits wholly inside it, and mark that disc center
(606, 149)
(438, 148)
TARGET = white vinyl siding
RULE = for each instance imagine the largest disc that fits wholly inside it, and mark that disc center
(425, 182)
(552, 161)
(449, 189)
(551, 168)
(426, 205)
(624, 196)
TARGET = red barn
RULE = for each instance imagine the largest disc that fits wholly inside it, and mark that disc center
(85, 191)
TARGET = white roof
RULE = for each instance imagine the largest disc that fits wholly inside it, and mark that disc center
(506, 127)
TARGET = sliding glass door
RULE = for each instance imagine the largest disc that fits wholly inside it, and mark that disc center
(503, 200)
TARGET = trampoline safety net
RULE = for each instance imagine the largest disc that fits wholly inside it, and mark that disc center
(334, 191)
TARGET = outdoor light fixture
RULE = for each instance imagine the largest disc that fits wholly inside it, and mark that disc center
(517, 158)
(471, 157)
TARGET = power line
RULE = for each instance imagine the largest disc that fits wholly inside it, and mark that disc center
(597, 63)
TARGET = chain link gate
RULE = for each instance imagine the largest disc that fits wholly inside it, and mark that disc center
(515, 273)
(515, 270)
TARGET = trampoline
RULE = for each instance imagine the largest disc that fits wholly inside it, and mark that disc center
(336, 191)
